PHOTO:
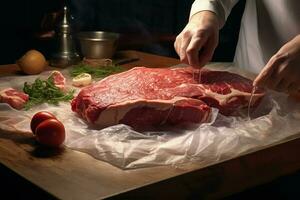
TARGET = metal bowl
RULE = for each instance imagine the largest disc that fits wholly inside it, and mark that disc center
(98, 44)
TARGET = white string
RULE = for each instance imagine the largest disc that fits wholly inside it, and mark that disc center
(200, 75)
(250, 101)
(168, 115)
(193, 74)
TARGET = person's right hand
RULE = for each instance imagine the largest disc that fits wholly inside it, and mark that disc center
(195, 45)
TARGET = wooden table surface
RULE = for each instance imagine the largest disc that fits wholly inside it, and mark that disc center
(74, 175)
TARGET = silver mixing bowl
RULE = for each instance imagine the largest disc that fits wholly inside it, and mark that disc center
(98, 44)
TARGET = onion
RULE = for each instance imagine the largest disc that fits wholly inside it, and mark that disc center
(32, 62)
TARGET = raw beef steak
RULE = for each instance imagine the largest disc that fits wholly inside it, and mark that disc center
(143, 97)
(14, 98)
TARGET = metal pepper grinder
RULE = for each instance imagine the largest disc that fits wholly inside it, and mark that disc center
(66, 53)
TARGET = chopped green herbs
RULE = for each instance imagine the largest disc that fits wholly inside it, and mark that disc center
(96, 72)
(45, 91)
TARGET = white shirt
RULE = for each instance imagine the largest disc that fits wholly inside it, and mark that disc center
(266, 26)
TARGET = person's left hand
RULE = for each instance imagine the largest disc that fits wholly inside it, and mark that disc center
(282, 72)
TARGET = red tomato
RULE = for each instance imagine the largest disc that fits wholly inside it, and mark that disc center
(50, 132)
(38, 118)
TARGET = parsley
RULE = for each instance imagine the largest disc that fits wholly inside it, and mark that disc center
(45, 91)
(95, 72)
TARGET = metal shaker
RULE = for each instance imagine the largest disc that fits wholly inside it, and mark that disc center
(65, 54)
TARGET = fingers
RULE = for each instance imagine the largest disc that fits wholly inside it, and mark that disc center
(207, 52)
(282, 72)
(184, 43)
(192, 52)
(278, 79)
(195, 49)
(279, 74)
(282, 81)
(187, 46)
(177, 45)
(196, 43)
(180, 45)
(264, 77)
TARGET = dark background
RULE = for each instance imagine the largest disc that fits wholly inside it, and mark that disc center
(146, 25)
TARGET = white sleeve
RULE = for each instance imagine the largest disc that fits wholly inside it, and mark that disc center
(221, 8)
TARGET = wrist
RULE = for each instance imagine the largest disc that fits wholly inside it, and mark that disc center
(205, 17)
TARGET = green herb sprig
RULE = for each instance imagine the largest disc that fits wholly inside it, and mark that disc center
(45, 91)
(95, 72)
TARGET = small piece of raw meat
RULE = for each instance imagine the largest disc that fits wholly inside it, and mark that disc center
(14, 98)
(59, 79)
(154, 96)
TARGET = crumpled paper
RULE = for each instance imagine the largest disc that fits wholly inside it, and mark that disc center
(275, 120)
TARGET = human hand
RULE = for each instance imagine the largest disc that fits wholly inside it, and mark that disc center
(195, 45)
(282, 72)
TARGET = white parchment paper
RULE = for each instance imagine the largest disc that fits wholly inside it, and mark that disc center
(275, 120)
